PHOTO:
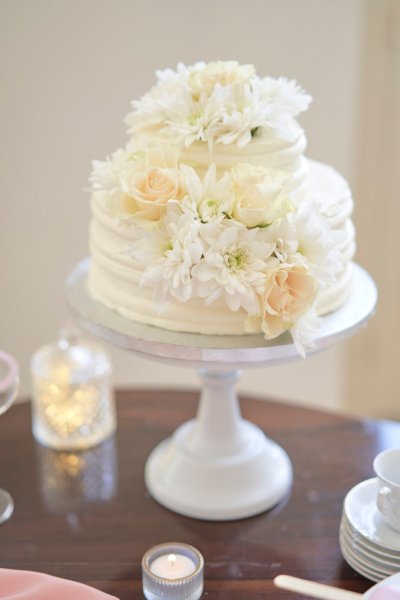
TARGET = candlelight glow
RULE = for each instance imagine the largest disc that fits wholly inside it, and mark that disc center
(172, 559)
(69, 409)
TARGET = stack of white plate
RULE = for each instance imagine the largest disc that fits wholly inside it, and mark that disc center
(370, 546)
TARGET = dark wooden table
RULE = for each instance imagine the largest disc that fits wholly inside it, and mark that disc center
(88, 516)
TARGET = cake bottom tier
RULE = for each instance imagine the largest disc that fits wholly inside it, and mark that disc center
(114, 278)
(137, 304)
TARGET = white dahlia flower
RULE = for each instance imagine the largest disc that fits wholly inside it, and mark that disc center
(235, 260)
(167, 254)
(303, 238)
(211, 196)
(284, 95)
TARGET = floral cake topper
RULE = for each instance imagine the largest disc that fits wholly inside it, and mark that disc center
(218, 103)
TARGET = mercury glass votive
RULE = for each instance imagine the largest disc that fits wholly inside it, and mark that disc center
(172, 571)
(73, 406)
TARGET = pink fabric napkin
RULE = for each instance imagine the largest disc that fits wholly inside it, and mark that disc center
(27, 585)
(385, 592)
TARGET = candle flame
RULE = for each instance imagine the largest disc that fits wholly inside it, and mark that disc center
(172, 559)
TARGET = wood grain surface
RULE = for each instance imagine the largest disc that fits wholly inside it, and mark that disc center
(88, 516)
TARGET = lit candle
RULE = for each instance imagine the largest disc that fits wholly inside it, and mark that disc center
(172, 566)
(172, 571)
(73, 403)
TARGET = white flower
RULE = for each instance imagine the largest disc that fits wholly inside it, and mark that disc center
(204, 78)
(152, 187)
(188, 120)
(167, 255)
(174, 114)
(285, 95)
(233, 266)
(285, 100)
(289, 292)
(244, 114)
(222, 102)
(105, 174)
(259, 195)
(106, 177)
(304, 330)
(212, 197)
(303, 237)
(139, 182)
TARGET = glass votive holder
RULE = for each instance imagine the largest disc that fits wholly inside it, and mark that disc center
(173, 571)
(73, 406)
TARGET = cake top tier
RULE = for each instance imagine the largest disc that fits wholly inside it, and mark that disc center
(218, 103)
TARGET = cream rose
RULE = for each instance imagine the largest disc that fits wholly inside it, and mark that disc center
(259, 196)
(152, 188)
(289, 293)
(223, 73)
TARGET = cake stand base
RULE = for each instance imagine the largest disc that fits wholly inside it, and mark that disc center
(218, 466)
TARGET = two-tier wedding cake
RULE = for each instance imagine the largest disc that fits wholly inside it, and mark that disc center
(211, 220)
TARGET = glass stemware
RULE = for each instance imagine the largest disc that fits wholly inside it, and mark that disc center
(9, 383)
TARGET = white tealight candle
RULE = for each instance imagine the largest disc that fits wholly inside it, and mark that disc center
(172, 571)
(172, 566)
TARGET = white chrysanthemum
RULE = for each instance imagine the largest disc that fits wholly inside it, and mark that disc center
(284, 95)
(233, 265)
(211, 196)
(168, 254)
(105, 174)
(193, 120)
(318, 243)
(244, 113)
(106, 178)
(170, 77)
(285, 100)
(303, 237)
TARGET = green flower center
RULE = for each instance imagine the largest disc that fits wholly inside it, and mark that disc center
(212, 206)
(194, 117)
(236, 260)
(167, 247)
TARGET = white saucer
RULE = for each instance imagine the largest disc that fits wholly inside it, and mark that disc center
(369, 555)
(358, 565)
(368, 560)
(362, 514)
(391, 556)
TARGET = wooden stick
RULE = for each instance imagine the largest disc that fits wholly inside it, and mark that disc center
(313, 589)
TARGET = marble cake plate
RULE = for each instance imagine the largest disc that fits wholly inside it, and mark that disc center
(217, 466)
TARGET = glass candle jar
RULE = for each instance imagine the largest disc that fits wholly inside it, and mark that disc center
(73, 402)
(172, 571)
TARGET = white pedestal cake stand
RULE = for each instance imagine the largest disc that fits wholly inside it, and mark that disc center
(217, 466)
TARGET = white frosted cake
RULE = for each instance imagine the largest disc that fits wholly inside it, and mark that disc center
(211, 220)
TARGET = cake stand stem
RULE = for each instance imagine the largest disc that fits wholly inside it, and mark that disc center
(218, 429)
(218, 466)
